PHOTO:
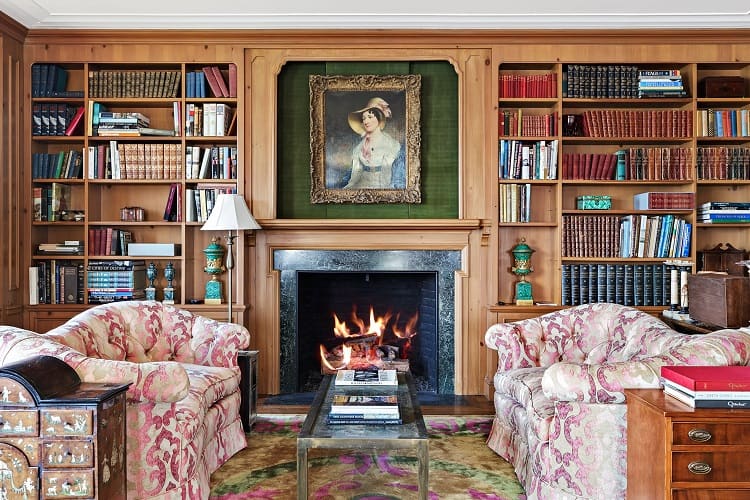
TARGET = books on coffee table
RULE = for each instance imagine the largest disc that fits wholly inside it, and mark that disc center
(708, 386)
(366, 377)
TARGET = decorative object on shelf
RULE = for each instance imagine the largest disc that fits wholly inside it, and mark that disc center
(380, 161)
(594, 202)
(230, 213)
(169, 272)
(132, 214)
(745, 263)
(521, 267)
(151, 274)
(214, 255)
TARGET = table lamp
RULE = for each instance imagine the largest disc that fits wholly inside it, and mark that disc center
(230, 213)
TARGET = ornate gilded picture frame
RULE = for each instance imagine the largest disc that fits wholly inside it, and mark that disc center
(365, 139)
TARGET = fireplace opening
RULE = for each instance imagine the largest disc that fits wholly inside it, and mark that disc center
(404, 304)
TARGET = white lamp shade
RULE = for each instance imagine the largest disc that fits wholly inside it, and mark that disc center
(230, 212)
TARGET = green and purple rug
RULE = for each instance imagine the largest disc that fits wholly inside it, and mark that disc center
(461, 466)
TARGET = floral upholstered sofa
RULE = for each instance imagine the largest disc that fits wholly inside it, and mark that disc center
(559, 401)
(183, 405)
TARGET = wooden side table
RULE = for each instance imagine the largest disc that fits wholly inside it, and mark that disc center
(683, 453)
(60, 438)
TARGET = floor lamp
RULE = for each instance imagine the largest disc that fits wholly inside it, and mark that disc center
(230, 213)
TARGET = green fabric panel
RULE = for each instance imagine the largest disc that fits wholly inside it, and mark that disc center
(439, 130)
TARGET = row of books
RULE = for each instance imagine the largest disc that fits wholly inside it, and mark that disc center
(515, 203)
(527, 159)
(109, 241)
(173, 206)
(668, 123)
(122, 160)
(589, 166)
(600, 81)
(210, 119)
(708, 386)
(134, 83)
(723, 122)
(724, 212)
(518, 123)
(524, 85)
(614, 236)
(56, 281)
(658, 163)
(199, 201)
(211, 162)
(50, 201)
(220, 84)
(60, 165)
(723, 162)
(626, 284)
(51, 80)
(664, 200)
(55, 119)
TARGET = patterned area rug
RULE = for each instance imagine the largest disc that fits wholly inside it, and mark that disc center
(461, 466)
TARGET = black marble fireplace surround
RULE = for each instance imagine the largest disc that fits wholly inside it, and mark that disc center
(426, 281)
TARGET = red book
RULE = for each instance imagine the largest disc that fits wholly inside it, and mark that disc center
(232, 80)
(75, 121)
(709, 378)
(220, 80)
(211, 79)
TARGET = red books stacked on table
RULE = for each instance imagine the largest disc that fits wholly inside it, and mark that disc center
(708, 386)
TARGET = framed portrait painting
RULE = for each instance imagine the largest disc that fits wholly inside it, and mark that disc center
(365, 139)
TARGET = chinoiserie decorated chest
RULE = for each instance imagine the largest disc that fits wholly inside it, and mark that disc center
(60, 438)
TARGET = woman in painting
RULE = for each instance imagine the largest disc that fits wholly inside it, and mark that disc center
(377, 160)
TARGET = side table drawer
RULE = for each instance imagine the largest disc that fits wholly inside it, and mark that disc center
(67, 484)
(76, 422)
(713, 433)
(710, 467)
(68, 453)
(707, 494)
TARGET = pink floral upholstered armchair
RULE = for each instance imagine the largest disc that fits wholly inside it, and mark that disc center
(183, 405)
(559, 400)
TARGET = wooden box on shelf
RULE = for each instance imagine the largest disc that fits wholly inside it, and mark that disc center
(722, 86)
(719, 299)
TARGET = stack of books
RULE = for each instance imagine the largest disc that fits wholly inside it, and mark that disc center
(708, 386)
(113, 123)
(660, 83)
(724, 212)
(364, 409)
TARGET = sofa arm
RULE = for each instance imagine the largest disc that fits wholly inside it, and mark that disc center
(157, 382)
(598, 383)
(517, 344)
(215, 343)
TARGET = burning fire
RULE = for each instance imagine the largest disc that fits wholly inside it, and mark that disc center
(368, 345)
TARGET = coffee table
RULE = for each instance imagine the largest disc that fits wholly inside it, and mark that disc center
(411, 434)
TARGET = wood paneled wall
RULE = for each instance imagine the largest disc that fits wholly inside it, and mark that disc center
(475, 57)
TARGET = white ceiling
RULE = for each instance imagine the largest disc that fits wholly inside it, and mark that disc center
(329, 14)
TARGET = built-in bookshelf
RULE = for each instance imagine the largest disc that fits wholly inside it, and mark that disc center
(646, 138)
(127, 153)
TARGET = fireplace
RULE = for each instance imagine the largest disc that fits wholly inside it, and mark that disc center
(315, 284)
(384, 320)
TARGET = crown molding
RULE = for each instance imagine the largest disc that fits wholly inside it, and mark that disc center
(564, 21)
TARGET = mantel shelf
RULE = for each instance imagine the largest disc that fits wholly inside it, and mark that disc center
(395, 224)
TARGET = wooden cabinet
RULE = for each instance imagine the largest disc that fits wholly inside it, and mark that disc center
(678, 452)
(103, 188)
(60, 438)
(564, 131)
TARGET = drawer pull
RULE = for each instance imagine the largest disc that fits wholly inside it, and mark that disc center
(699, 435)
(699, 468)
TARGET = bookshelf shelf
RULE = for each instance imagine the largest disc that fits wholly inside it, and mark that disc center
(138, 171)
(658, 139)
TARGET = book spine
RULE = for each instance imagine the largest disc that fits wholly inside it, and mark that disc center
(354, 421)
(726, 395)
(701, 385)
